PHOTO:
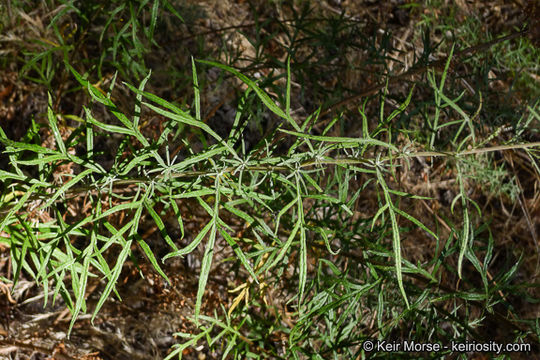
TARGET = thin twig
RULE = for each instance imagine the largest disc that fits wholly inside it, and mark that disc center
(130, 185)
(29, 346)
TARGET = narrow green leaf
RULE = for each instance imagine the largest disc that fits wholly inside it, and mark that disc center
(206, 263)
(150, 254)
(238, 251)
(80, 303)
(415, 221)
(338, 139)
(285, 247)
(160, 225)
(192, 245)
(54, 127)
(196, 91)
(117, 269)
(270, 104)
(395, 235)
(20, 203)
(62, 190)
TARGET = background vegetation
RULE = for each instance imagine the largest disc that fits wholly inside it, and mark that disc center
(267, 179)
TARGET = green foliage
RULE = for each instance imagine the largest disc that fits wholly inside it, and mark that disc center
(345, 269)
(119, 35)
